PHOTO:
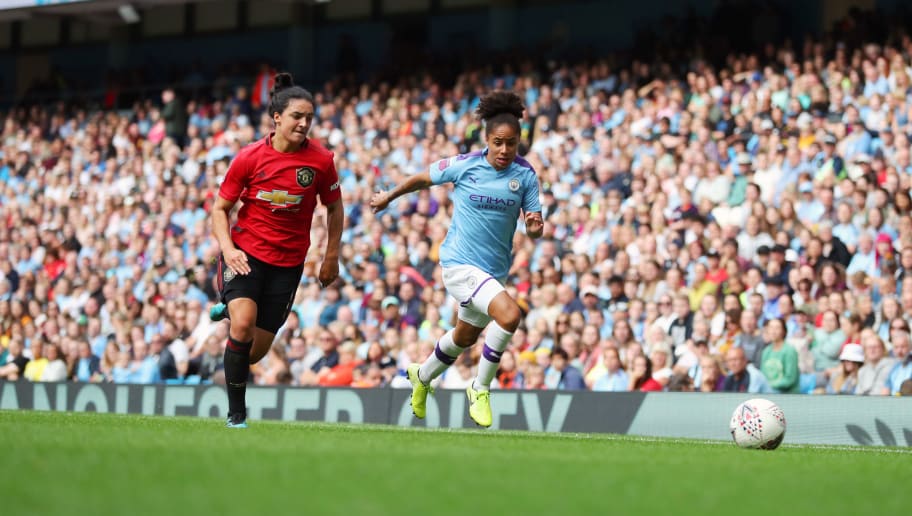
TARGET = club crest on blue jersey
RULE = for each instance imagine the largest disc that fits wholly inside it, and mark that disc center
(514, 184)
(305, 176)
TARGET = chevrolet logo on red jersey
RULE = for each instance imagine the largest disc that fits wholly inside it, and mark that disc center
(279, 198)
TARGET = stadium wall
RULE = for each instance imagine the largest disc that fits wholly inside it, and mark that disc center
(831, 420)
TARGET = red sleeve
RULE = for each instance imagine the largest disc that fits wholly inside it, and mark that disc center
(328, 188)
(237, 178)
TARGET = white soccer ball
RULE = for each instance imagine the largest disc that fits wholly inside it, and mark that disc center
(758, 423)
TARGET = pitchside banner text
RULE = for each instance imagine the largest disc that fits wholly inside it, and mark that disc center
(811, 419)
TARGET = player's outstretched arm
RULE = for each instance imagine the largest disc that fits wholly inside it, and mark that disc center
(335, 219)
(534, 224)
(381, 200)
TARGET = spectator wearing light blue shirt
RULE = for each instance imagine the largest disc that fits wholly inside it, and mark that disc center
(144, 367)
(809, 208)
(864, 259)
(844, 230)
(902, 371)
(612, 377)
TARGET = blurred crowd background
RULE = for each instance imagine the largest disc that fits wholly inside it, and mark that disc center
(741, 223)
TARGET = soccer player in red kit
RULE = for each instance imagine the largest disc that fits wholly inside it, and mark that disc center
(278, 180)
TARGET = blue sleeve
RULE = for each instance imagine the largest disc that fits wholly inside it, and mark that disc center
(446, 170)
(531, 201)
(889, 382)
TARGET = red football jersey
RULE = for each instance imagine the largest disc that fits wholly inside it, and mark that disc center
(279, 191)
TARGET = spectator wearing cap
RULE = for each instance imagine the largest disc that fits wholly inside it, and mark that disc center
(391, 318)
(844, 379)
(860, 168)
(828, 162)
(902, 371)
(777, 255)
(884, 254)
(589, 299)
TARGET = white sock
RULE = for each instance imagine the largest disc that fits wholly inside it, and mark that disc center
(496, 341)
(445, 353)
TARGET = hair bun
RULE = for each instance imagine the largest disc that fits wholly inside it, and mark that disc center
(282, 80)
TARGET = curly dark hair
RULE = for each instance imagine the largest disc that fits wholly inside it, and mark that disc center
(500, 107)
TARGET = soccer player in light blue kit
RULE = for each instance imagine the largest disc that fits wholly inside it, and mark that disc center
(493, 187)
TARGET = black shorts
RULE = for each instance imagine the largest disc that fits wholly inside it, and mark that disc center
(271, 287)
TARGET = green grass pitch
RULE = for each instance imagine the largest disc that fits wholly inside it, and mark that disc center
(74, 464)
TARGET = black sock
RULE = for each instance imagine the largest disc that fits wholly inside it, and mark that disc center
(237, 369)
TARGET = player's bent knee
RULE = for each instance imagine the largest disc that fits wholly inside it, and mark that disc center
(508, 316)
(463, 340)
(242, 332)
(465, 335)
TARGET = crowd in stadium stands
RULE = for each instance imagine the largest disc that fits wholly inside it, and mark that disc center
(746, 228)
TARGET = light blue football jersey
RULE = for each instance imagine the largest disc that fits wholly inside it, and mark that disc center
(487, 206)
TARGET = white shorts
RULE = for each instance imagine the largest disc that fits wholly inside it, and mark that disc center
(474, 289)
